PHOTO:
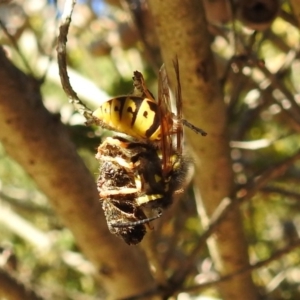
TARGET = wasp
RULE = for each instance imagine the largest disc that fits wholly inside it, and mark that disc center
(139, 115)
(121, 187)
(140, 174)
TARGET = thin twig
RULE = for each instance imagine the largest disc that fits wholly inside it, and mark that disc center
(62, 62)
(11, 288)
(242, 195)
(249, 269)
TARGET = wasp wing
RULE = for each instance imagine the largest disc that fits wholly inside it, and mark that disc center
(166, 121)
(178, 97)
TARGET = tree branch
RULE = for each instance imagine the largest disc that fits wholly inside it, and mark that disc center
(40, 143)
(182, 31)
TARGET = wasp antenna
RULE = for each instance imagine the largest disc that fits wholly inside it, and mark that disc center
(194, 128)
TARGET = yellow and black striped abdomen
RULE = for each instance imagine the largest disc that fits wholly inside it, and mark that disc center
(135, 116)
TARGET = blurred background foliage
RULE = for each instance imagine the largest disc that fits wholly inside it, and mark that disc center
(259, 68)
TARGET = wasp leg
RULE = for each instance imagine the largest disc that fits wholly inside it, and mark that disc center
(140, 88)
(194, 128)
(144, 221)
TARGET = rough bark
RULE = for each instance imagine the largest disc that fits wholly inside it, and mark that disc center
(39, 142)
(182, 31)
